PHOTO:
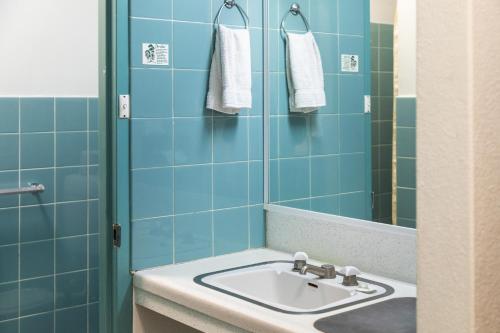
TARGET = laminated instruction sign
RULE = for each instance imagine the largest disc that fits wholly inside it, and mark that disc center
(155, 54)
(350, 63)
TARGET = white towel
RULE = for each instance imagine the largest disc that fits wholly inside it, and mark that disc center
(230, 85)
(306, 86)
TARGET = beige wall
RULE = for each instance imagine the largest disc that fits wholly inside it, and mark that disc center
(382, 11)
(458, 171)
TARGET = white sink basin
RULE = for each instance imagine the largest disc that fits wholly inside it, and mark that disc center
(276, 286)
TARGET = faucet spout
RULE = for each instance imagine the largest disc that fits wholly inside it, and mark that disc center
(324, 272)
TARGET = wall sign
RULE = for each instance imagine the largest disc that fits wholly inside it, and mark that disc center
(350, 63)
(155, 54)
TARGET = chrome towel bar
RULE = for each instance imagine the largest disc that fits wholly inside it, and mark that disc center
(32, 188)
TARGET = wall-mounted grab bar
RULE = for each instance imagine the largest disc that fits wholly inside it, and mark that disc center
(32, 188)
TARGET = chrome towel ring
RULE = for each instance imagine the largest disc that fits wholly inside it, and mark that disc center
(229, 4)
(294, 10)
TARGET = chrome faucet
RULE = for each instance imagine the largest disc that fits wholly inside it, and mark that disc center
(300, 265)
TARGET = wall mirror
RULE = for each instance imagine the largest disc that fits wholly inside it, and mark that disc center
(355, 155)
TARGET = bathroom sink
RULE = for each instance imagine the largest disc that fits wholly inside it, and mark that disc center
(275, 286)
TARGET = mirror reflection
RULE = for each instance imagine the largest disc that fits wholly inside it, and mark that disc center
(343, 108)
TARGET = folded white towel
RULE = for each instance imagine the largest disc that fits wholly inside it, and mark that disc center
(230, 85)
(306, 86)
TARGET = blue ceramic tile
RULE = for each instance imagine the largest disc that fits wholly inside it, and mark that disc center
(93, 114)
(37, 114)
(294, 23)
(37, 150)
(353, 45)
(94, 216)
(37, 295)
(374, 31)
(71, 183)
(273, 137)
(71, 254)
(227, 16)
(230, 139)
(332, 95)
(147, 31)
(277, 52)
(328, 47)
(71, 149)
(37, 223)
(9, 152)
(93, 310)
(72, 320)
(152, 243)
(406, 145)
(351, 94)
(193, 140)
(93, 251)
(93, 285)
(324, 175)
(9, 113)
(8, 263)
(193, 44)
(284, 107)
(294, 178)
(71, 219)
(193, 189)
(299, 204)
(230, 230)
(257, 217)
(293, 136)
(407, 223)
(151, 141)
(406, 172)
(386, 60)
(71, 289)
(324, 16)
(190, 92)
(406, 109)
(407, 203)
(273, 93)
(324, 134)
(352, 173)
(353, 205)
(160, 9)
(151, 193)
(10, 304)
(386, 35)
(193, 236)
(93, 148)
(274, 183)
(256, 133)
(327, 204)
(230, 185)
(256, 183)
(274, 14)
(37, 259)
(42, 176)
(257, 42)
(93, 182)
(38, 323)
(255, 12)
(257, 95)
(71, 114)
(385, 132)
(151, 93)
(9, 228)
(196, 11)
(9, 179)
(352, 134)
(352, 16)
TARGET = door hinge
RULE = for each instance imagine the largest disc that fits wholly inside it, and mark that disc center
(124, 105)
(117, 235)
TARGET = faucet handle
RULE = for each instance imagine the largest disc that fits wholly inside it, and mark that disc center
(299, 261)
(350, 275)
(300, 256)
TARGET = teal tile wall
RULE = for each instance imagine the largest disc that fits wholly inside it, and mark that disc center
(48, 242)
(382, 120)
(320, 161)
(406, 110)
(197, 175)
